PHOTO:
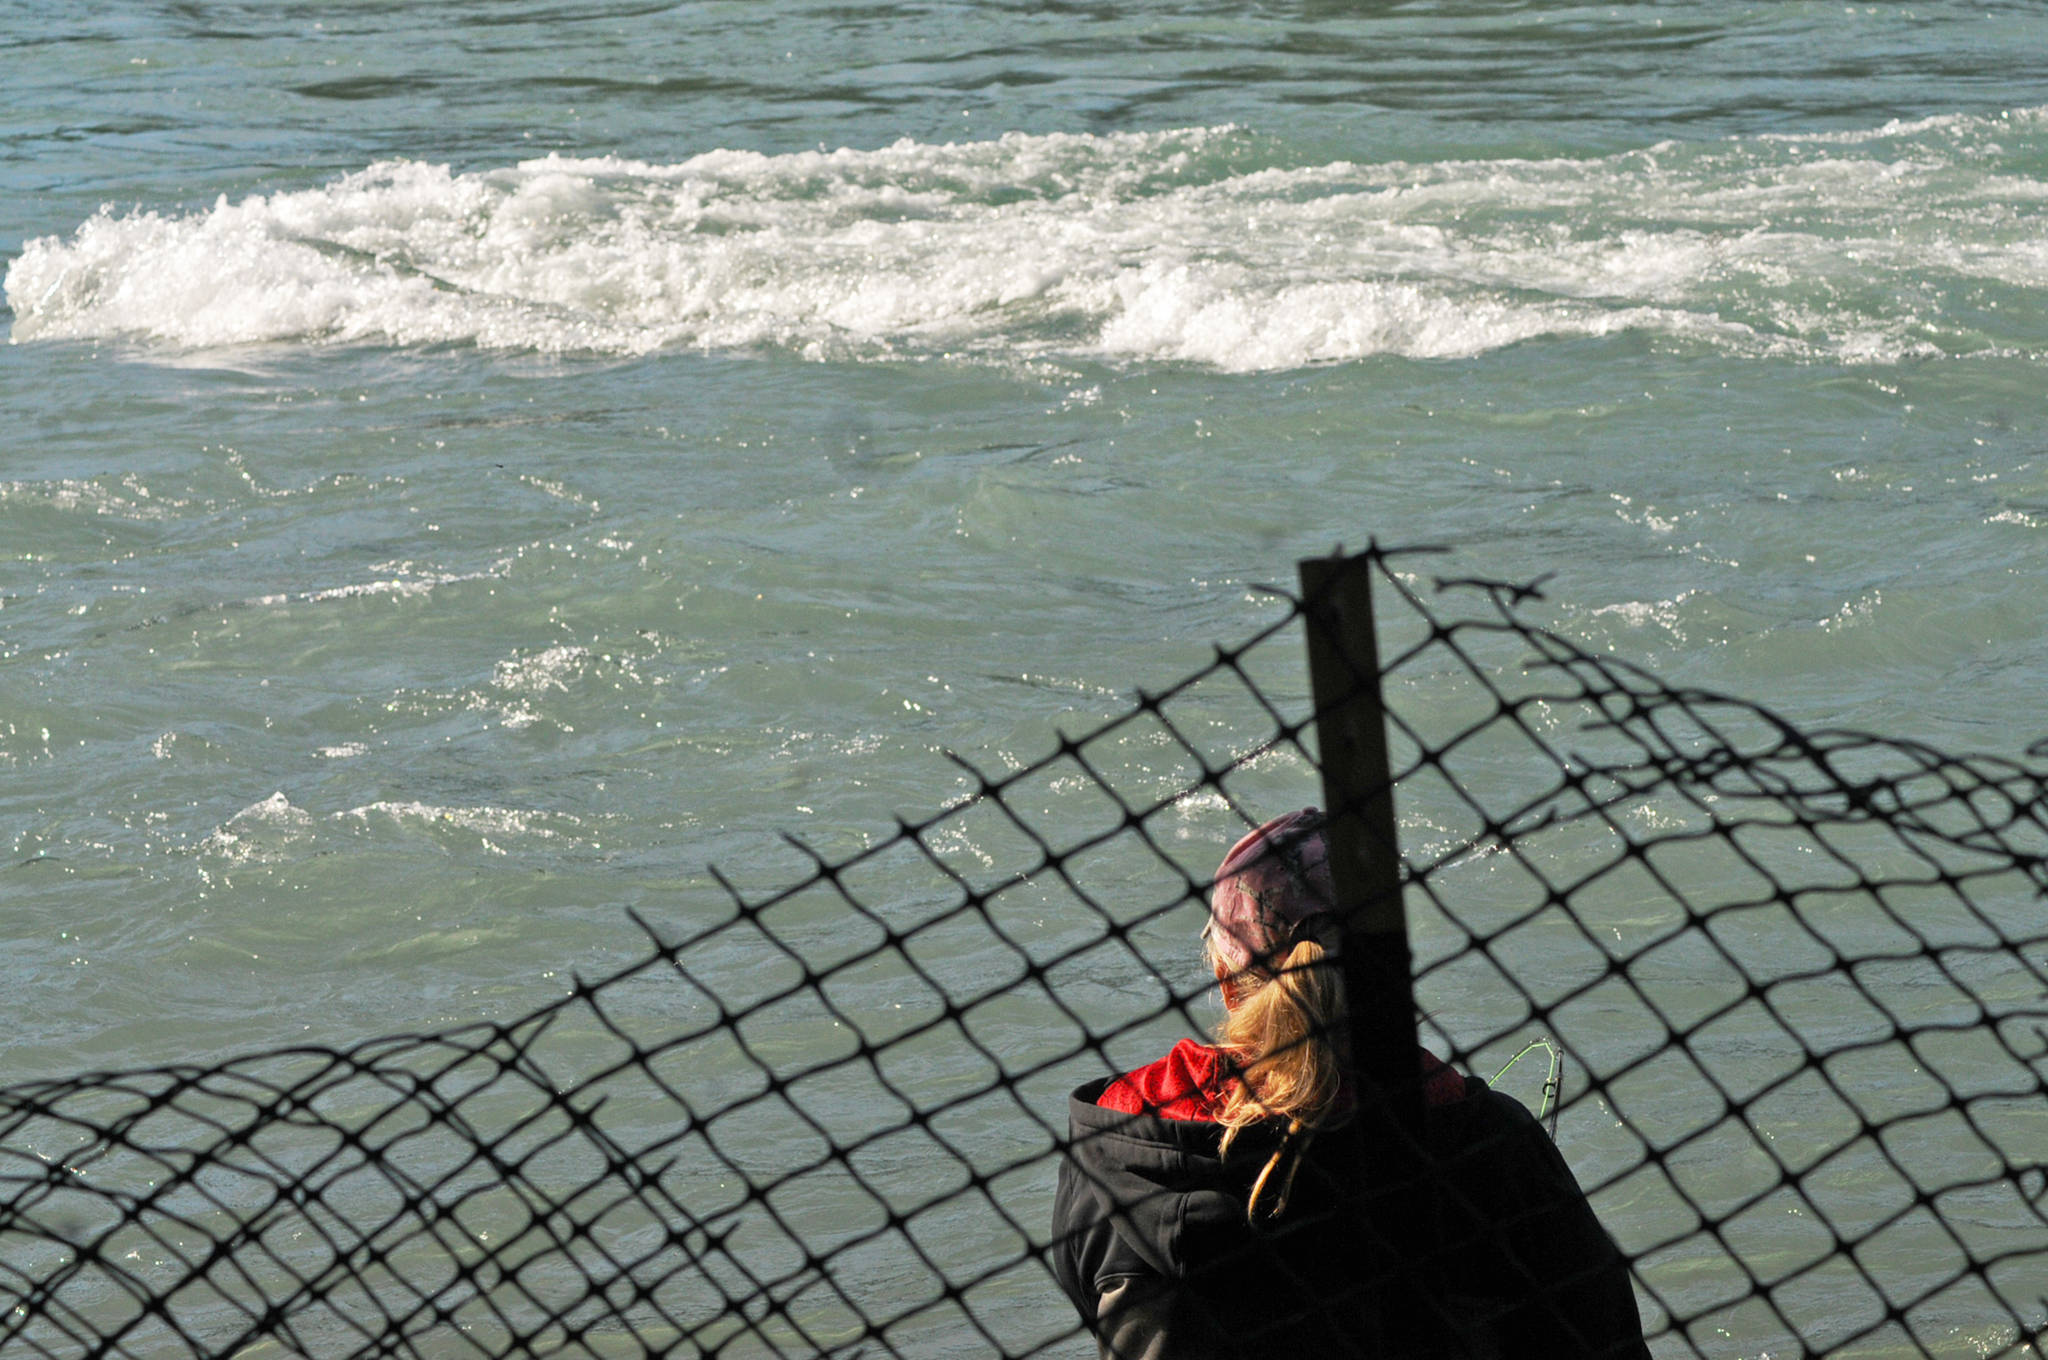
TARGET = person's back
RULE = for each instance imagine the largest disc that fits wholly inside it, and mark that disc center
(1211, 1203)
(1157, 1250)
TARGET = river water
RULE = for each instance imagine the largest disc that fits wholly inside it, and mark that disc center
(467, 467)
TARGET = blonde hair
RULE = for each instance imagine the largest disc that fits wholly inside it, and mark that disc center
(1286, 1039)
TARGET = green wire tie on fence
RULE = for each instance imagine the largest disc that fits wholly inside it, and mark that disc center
(1553, 1081)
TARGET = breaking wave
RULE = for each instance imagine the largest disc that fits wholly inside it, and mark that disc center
(1189, 246)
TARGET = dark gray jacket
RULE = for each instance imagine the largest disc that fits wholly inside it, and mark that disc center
(1500, 1256)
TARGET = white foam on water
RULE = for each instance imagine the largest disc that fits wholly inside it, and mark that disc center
(1854, 613)
(125, 498)
(260, 833)
(484, 821)
(275, 830)
(1173, 246)
(541, 672)
(1666, 614)
(1909, 127)
(406, 587)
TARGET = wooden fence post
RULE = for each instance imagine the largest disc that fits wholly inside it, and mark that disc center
(1365, 854)
(1394, 1187)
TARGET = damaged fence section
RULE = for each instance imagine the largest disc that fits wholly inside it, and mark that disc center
(1798, 981)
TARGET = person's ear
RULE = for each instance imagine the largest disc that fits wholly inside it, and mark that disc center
(1227, 980)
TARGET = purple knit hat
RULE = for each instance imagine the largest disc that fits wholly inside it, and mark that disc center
(1270, 882)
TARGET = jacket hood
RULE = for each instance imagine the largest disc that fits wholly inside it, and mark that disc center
(1156, 1180)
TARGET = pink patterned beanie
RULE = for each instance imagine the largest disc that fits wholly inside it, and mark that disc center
(1271, 881)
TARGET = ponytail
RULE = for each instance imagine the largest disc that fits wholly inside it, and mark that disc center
(1285, 1037)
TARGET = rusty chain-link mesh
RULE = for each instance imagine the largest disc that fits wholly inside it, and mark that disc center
(1797, 979)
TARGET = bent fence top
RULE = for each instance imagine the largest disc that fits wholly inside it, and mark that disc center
(1796, 981)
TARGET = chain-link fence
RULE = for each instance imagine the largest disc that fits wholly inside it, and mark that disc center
(1796, 979)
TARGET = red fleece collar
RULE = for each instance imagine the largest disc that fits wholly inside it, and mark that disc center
(1191, 1081)
(1188, 1083)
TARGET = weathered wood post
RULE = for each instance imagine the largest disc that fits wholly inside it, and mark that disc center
(1365, 868)
(1365, 854)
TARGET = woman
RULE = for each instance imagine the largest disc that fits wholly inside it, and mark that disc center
(1207, 1208)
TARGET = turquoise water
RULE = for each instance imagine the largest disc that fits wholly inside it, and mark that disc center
(467, 467)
